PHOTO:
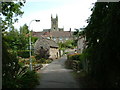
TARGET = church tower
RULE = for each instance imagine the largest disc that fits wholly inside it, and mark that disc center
(54, 23)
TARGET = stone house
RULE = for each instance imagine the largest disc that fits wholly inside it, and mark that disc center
(81, 44)
(45, 46)
(55, 33)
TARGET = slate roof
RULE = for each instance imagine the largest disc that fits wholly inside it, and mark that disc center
(45, 43)
(60, 34)
(37, 34)
(53, 34)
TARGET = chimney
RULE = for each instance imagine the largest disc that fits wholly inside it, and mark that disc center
(70, 30)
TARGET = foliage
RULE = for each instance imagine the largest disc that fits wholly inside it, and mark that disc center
(74, 61)
(66, 52)
(24, 30)
(75, 56)
(67, 44)
(10, 10)
(43, 60)
(29, 80)
(85, 81)
(13, 75)
(48, 61)
(12, 72)
(10, 66)
(34, 39)
(23, 61)
(74, 43)
(17, 40)
(43, 53)
(79, 32)
(37, 57)
(102, 36)
(23, 53)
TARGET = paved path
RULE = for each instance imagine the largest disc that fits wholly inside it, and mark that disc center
(56, 76)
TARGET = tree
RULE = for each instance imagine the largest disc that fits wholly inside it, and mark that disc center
(24, 29)
(77, 34)
(13, 75)
(102, 35)
(12, 39)
(10, 10)
(24, 37)
(10, 67)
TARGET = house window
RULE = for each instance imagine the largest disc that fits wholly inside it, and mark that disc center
(66, 38)
(54, 39)
(60, 38)
(48, 37)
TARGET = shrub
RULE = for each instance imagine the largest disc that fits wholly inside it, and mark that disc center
(75, 56)
(48, 61)
(37, 57)
(42, 60)
(66, 52)
(74, 60)
(29, 80)
(44, 53)
(23, 53)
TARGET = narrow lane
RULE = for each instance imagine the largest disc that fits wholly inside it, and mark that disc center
(55, 75)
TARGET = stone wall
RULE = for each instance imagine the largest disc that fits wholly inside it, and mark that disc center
(54, 53)
(80, 44)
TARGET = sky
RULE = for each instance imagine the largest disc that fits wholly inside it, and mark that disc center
(71, 13)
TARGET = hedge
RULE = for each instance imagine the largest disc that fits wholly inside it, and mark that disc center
(75, 56)
(23, 53)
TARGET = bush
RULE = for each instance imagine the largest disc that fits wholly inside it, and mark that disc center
(48, 61)
(23, 53)
(29, 80)
(37, 57)
(75, 56)
(43, 53)
(42, 60)
(66, 52)
(74, 60)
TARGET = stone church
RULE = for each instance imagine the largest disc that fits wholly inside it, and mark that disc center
(49, 39)
(54, 25)
(55, 33)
